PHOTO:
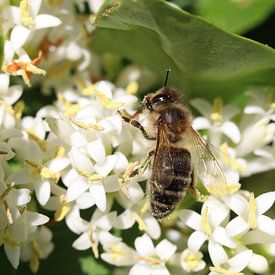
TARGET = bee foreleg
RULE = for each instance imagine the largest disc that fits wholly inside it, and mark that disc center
(134, 169)
(195, 191)
(130, 119)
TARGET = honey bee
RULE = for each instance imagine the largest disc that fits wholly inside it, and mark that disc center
(180, 152)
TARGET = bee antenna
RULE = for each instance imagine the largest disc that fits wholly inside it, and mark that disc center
(166, 78)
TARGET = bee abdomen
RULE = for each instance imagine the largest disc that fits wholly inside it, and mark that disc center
(164, 201)
(166, 194)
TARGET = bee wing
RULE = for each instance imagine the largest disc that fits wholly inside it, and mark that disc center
(205, 159)
(163, 168)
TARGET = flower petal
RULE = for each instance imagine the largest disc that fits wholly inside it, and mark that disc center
(196, 240)
(264, 202)
(19, 36)
(13, 254)
(96, 151)
(144, 246)
(190, 218)
(240, 261)
(43, 21)
(202, 106)
(107, 166)
(220, 235)
(258, 264)
(257, 236)
(165, 249)
(217, 253)
(237, 227)
(125, 220)
(82, 242)
(99, 195)
(153, 227)
(231, 130)
(266, 224)
(140, 268)
(201, 123)
(76, 189)
(43, 191)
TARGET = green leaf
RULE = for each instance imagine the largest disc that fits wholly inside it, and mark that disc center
(235, 16)
(204, 59)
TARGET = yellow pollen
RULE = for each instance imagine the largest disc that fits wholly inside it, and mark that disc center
(205, 226)
(10, 240)
(8, 212)
(223, 189)
(60, 152)
(223, 271)
(88, 176)
(36, 254)
(115, 252)
(106, 102)
(132, 88)
(94, 245)
(63, 209)
(36, 168)
(252, 215)
(216, 115)
(228, 160)
(48, 174)
(87, 126)
(126, 176)
(7, 108)
(141, 224)
(192, 259)
(18, 109)
(43, 144)
(150, 260)
(26, 18)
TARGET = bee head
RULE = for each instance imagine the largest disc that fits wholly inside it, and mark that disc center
(161, 98)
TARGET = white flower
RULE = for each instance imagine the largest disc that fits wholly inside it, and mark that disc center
(10, 94)
(207, 226)
(216, 120)
(150, 259)
(233, 265)
(117, 252)
(138, 213)
(38, 246)
(26, 20)
(250, 216)
(258, 264)
(95, 231)
(192, 261)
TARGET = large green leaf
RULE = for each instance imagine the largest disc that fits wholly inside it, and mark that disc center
(235, 16)
(204, 59)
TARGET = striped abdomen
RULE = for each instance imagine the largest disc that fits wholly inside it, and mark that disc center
(167, 192)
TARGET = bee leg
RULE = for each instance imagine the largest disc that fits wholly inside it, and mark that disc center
(134, 169)
(195, 192)
(130, 119)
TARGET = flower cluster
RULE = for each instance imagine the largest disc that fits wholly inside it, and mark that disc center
(77, 154)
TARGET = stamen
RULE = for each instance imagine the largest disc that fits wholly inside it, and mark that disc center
(205, 226)
(26, 18)
(223, 271)
(252, 215)
(216, 114)
(223, 189)
(132, 88)
(36, 254)
(63, 209)
(94, 244)
(192, 259)
(87, 126)
(43, 144)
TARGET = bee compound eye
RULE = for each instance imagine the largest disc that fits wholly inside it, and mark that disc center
(161, 98)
